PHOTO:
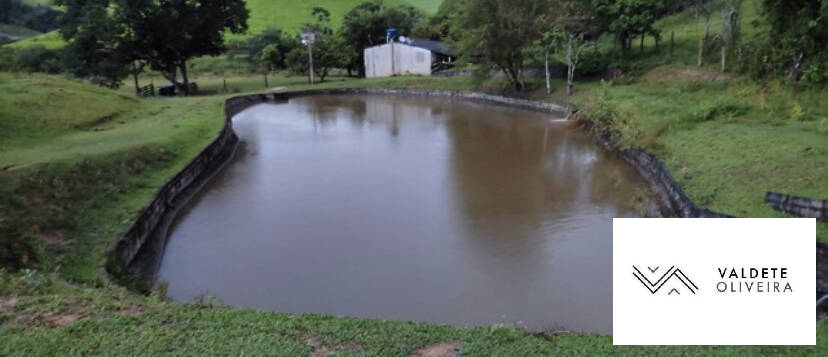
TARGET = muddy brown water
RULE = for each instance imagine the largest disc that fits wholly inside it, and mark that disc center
(408, 208)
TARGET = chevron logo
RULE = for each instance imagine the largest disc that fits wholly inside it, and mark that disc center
(654, 281)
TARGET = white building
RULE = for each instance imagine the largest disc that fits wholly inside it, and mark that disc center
(395, 58)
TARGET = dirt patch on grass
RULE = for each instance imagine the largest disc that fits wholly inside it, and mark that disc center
(130, 310)
(60, 320)
(7, 305)
(94, 124)
(444, 349)
(320, 349)
(683, 74)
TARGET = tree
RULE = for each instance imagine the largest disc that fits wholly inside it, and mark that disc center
(443, 25)
(628, 18)
(276, 42)
(168, 33)
(496, 32)
(327, 51)
(796, 35)
(163, 33)
(365, 25)
(271, 56)
(569, 22)
(94, 48)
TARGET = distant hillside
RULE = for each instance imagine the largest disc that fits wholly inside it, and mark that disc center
(288, 15)
(14, 31)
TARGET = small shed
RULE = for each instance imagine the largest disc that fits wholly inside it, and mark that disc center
(396, 58)
(409, 56)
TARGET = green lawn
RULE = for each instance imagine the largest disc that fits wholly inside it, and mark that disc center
(17, 30)
(48, 317)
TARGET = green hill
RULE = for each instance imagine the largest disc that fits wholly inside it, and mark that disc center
(288, 15)
(17, 30)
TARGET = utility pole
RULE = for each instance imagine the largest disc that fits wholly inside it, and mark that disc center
(308, 39)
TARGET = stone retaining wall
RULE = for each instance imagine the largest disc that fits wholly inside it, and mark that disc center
(798, 206)
(137, 253)
(658, 176)
(822, 270)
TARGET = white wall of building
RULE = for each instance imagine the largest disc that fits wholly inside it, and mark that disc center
(380, 61)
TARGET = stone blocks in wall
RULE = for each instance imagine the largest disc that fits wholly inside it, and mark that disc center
(798, 206)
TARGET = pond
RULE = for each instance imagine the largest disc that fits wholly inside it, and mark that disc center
(408, 208)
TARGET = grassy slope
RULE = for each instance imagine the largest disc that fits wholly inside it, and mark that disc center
(728, 161)
(79, 161)
(17, 30)
(288, 15)
(114, 322)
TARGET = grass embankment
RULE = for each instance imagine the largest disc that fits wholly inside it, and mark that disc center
(726, 142)
(56, 319)
(79, 161)
(17, 31)
(726, 139)
(86, 159)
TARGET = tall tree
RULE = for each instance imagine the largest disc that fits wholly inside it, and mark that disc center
(163, 33)
(364, 26)
(496, 32)
(569, 23)
(168, 33)
(276, 42)
(797, 33)
(326, 53)
(94, 48)
(628, 18)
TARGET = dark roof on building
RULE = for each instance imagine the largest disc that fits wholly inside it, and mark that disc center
(433, 46)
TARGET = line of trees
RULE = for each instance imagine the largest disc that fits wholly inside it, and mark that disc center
(500, 34)
(363, 26)
(109, 39)
(503, 34)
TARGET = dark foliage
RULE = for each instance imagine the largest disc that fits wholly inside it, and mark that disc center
(40, 18)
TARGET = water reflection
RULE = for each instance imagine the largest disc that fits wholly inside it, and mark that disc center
(407, 208)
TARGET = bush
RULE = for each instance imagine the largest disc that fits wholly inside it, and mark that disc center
(720, 107)
(798, 113)
(19, 250)
(603, 113)
(39, 59)
(7, 62)
(816, 75)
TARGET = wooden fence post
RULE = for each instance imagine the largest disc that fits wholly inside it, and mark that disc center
(701, 51)
(672, 41)
(724, 57)
(265, 75)
(225, 84)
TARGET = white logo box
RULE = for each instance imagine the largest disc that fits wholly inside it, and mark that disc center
(668, 288)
